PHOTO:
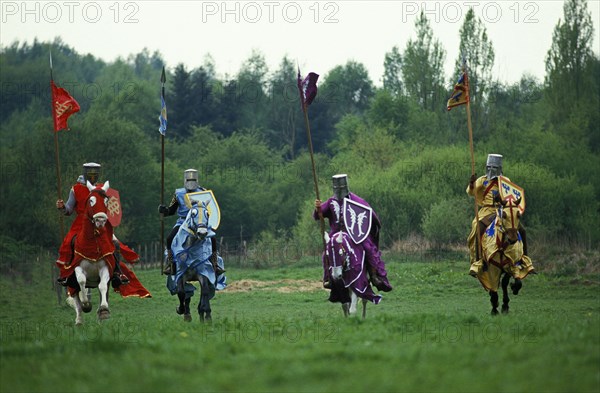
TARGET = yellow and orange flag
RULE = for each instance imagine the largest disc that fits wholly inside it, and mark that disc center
(460, 95)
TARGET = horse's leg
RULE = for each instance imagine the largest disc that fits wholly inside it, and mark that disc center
(346, 308)
(494, 301)
(74, 302)
(181, 296)
(364, 304)
(204, 306)
(103, 311)
(184, 303)
(353, 301)
(516, 286)
(86, 305)
(505, 299)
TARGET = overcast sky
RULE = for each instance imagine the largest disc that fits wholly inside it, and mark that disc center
(317, 34)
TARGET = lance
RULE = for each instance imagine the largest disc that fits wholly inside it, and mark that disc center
(304, 101)
(162, 131)
(61, 220)
(470, 127)
(56, 155)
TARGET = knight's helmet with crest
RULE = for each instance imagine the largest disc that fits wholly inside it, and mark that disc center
(190, 179)
(91, 172)
(340, 186)
(493, 166)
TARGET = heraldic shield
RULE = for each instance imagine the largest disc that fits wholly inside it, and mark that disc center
(511, 192)
(206, 196)
(357, 219)
(114, 207)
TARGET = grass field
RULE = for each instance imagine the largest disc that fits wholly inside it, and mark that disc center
(274, 330)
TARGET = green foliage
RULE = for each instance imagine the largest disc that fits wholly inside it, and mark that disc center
(447, 221)
(423, 65)
(392, 74)
(478, 52)
(568, 60)
(245, 133)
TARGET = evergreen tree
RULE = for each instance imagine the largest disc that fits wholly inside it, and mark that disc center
(252, 84)
(285, 115)
(180, 108)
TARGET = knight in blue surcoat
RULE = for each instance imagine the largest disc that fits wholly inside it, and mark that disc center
(179, 207)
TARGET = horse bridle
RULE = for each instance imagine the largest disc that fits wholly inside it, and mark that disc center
(197, 226)
(500, 227)
(343, 251)
(102, 217)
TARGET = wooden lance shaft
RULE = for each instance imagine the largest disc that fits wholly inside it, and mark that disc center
(478, 233)
(314, 171)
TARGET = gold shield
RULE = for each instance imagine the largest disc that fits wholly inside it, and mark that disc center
(509, 190)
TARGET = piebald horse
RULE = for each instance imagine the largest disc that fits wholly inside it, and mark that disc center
(94, 248)
(348, 271)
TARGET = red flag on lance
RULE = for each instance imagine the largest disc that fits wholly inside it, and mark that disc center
(63, 106)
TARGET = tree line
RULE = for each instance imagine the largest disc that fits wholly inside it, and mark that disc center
(245, 134)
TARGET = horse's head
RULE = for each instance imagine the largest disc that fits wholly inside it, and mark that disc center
(96, 204)
(339, 253)
(198, 221)
(508, 217)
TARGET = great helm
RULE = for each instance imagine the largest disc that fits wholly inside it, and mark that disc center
(190, 179)
(91, 172)
(493, 166)
(340, 186)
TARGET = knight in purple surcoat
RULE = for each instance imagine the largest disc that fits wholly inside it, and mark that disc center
(332, 210)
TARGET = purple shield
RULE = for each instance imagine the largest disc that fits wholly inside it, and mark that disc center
(357, 219)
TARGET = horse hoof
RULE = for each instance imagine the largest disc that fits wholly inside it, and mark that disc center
(346, 308)
(504, 309)
(103, 313)
(187, 317)
(206, 318)
(179, 310)
(494, 311)
(116, 282)
(78, 323)
(86, 307)
(516, 287)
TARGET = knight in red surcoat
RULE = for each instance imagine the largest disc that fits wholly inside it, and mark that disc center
(107, 244)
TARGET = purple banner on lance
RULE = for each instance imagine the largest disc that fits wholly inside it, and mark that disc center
(357, 219)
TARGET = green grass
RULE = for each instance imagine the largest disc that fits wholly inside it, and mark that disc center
(434, 332)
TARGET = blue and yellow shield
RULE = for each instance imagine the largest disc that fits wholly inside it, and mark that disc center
(206, 196)
(512, 192)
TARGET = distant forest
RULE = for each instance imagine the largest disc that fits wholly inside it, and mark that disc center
(402, 150)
